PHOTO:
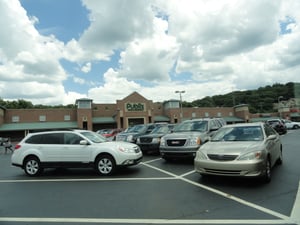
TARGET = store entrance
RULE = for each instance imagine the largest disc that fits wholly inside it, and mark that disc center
(135, 121)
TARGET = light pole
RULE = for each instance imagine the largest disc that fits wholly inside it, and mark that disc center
(280, 97)
(180, 92)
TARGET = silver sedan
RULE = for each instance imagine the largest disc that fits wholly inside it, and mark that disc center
(246, 150)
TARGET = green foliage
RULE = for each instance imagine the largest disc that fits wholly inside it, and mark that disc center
(23, 104)
(260, 100)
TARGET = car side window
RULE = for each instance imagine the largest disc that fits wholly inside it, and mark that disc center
(72, 139)
(35, 139)
(54, 138)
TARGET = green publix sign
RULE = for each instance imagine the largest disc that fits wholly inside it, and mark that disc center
(132, 107)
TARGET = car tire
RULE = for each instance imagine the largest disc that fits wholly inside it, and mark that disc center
(32, 166)
(105, 165)
(267, 173)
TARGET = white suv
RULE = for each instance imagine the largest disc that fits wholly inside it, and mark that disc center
(73, 149)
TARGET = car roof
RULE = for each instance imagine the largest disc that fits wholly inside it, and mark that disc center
(244, 124)
(58, 131)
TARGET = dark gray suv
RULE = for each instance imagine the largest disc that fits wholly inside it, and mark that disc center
(187, 137)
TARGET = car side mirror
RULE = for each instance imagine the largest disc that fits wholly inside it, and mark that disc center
(83, 142)
(214, 128)
(272, 137)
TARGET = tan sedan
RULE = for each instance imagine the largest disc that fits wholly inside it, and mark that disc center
(246, 150)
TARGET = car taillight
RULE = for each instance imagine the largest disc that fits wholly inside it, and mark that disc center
(17, 146)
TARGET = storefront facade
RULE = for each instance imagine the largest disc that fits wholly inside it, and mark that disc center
(133, 109)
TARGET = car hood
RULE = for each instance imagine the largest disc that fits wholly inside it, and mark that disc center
(183, 135)
(157, 135)
(231, 148)
(129, 133)
(114, 144)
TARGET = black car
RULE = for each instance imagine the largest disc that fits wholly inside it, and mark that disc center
(278, 125)
(150, 142)
(134, 132)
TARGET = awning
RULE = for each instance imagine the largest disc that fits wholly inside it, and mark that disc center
(262, 119)
(103, 120)
(161, 119)
(38, 126)
(293, 115)
(233, 119)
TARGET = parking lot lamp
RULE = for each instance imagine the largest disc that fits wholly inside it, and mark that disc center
(279, 110)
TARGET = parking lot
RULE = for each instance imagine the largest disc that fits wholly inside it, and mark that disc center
(153, 192)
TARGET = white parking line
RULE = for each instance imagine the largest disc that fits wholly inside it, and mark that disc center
(88, 180)
(282, 219)
(135, 221)
(226, 195)
(296, 209)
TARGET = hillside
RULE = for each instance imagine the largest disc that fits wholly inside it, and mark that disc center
(259, 100)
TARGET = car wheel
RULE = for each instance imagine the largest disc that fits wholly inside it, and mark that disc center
(32, 166)
(267, 173)
(105, 165)
(296, 127)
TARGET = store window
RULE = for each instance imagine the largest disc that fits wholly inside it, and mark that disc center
(15, 119)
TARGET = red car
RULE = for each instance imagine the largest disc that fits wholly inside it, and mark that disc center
(109, 133)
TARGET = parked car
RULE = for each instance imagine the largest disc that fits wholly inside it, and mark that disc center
(150, 142)
(72, 149)
(291, 124)
(110, 134)
(244, 150)
(187, 137)
(134, 132)
(278, 125)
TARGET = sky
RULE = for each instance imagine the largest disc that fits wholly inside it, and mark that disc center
(53, 52)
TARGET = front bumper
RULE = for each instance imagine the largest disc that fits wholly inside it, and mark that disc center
(179, 152)
(149, 147)
(131, 162)
(251, 168)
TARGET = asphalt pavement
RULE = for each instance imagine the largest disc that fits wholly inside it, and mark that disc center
(153, 192)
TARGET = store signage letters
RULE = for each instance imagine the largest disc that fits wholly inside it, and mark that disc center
(132, 107)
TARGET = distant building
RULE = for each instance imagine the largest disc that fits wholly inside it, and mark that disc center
(133, 109)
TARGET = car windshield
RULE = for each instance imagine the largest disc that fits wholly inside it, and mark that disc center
(160, 130)
(247, 133)
(200, 126)
(94, 137)
(137, 129)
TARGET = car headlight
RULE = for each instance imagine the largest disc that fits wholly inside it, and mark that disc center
(129, 138)
(200, 155)
(194, 141)
(251, 156)
(126, 150)
(162, 142)
(155, 140)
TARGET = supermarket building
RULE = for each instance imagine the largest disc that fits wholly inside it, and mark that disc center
(133, 109)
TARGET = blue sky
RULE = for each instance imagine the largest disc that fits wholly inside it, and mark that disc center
(54, 52)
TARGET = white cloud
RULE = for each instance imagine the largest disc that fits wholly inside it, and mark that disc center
(87, 67)
(223, 46)
(114, 88)
(29, 66)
